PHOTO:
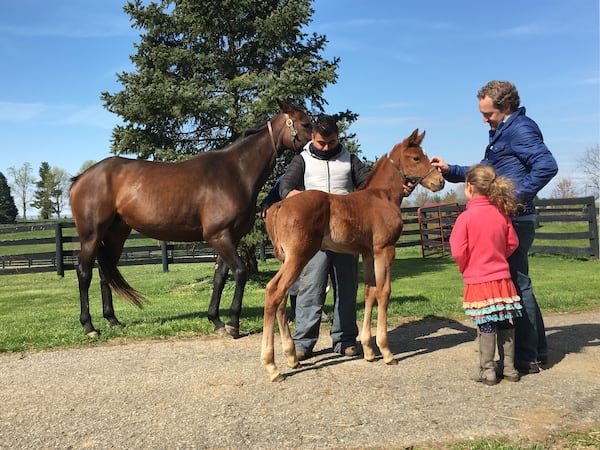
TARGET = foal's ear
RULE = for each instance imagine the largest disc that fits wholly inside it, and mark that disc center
(417, 138)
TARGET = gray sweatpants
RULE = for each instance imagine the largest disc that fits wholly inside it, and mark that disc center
(343, 269)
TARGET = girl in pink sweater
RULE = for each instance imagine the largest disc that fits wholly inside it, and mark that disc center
(481, 241)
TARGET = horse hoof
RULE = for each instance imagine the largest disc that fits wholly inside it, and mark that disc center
(392, 362)
(232, 331)
(277, 378)
(93, 334)
(221, 332)
(294, 365)
(116, 324)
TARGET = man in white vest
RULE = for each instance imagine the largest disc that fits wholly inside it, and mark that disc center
(326, 165)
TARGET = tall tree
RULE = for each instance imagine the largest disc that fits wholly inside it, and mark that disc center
(60, 190)
(22, 183)
(8, 209)
(86, 165)
(564, 188)
(208, 70)
(42, 196)
(589, 165)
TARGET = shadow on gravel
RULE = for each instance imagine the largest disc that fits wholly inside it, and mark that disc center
(563, 340)
(424, 336)
(428, 335)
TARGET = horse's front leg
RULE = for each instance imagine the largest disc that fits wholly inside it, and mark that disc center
(383, 272)
(220, 276)
(365, 334)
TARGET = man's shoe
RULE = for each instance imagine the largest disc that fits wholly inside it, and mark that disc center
(301, 355)
(543, 360)
(528, 368)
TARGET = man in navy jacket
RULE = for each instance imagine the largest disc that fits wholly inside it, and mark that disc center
(517, 151)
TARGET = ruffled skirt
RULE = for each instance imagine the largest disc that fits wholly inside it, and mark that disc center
(492, 301)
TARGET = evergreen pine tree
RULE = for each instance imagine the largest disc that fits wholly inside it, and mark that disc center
(208, 70)
(8, 209)
(43, 194)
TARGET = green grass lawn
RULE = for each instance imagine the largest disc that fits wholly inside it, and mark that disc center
(41, 311)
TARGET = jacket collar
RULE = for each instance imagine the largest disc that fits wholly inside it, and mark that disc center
(495, 134)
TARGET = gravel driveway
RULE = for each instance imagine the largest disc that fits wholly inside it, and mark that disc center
(210, 392)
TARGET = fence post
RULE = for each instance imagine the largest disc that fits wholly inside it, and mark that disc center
(60, 268)
(262, 251)
(594, 244)
(164, 255)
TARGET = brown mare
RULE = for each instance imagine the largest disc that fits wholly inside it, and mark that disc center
(211, 197)
(367, 221)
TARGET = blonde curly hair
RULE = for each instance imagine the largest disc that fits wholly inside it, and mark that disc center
(499, 190)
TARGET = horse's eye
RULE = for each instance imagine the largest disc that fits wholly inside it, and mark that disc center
(307, 126)
(416, 158)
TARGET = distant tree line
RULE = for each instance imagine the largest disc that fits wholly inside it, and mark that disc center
(204, 73)
(48, 194)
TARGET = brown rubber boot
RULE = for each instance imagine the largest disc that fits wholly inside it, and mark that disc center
(506, 351)
(487, 350)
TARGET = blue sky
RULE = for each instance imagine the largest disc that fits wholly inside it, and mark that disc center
(404, 65)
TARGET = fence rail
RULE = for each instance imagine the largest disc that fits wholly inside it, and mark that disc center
(568, 210)
(62, 248)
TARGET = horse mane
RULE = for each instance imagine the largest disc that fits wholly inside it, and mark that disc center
(244, 135)
(255, 129)
(375, 169)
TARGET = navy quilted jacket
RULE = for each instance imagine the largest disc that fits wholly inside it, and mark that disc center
(516, 151)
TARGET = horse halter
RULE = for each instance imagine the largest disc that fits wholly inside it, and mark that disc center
(414, 180)
(293, 133)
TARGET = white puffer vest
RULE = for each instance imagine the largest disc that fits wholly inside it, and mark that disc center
(333, 175)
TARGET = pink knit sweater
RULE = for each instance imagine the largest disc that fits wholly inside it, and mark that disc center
(481, 240)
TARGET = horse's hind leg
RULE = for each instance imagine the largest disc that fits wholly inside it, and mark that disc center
(275, 299)
(84, 278)
(240, 275)
(114, 240)
(221, 271)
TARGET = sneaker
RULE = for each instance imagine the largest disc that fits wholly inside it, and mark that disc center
(351, 351)
(301, 355)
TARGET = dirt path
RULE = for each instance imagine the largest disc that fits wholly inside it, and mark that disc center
(213, 393)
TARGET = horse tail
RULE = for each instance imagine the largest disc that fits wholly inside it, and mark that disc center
(114, 278)
(271, 225)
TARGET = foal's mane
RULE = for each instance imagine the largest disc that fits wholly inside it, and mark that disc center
(377, 166)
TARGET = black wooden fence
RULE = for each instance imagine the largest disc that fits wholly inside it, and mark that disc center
(63, 245)
(580, 211)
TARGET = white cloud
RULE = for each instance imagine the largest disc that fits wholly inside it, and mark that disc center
(20, 112)
(58, 115)
(91, 115)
